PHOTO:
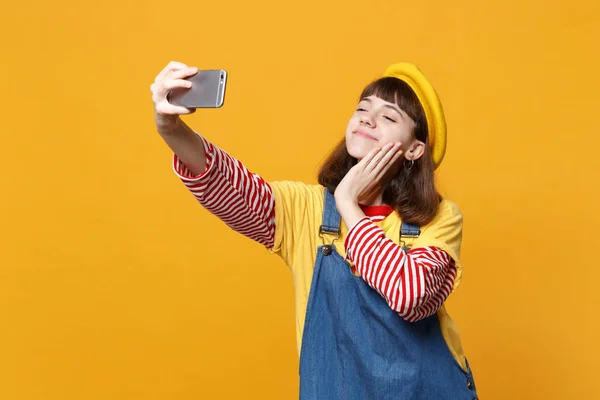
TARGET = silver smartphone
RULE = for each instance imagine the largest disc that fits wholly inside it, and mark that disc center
(207, 91)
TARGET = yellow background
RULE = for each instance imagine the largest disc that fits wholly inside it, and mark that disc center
(115, 284)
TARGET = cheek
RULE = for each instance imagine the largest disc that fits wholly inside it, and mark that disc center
(353, 122)
(397, 134)
(354, 146)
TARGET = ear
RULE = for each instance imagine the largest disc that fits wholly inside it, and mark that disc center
(416, 150)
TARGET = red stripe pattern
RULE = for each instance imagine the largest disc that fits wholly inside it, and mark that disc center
(241, 199)
(414, 284)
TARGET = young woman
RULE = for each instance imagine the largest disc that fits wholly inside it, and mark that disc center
(373, 248)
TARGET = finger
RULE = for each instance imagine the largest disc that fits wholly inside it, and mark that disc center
(378, 163)
(376, 160)
(394, 152)
(172, 66)
(166, 108)
(173, 80)
(388, 162)
(367, 159)
(175, 65)
(182, 73)
(176, 83)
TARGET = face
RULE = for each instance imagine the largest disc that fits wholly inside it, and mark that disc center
(377, 122)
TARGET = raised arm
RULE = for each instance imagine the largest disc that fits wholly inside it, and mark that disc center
(182, 140)
(222, 184)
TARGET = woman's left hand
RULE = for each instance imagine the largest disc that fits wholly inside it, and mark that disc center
(364, 179)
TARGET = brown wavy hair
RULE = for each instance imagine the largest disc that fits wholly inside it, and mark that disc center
(411, 191)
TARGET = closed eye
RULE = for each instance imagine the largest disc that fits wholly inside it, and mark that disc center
(389, 119)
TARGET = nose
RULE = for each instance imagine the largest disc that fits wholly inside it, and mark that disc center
(367, 119)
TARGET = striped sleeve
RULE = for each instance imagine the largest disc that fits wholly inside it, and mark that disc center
(241, 199)
(414, 284)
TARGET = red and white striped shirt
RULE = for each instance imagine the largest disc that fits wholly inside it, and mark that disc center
(414, 284)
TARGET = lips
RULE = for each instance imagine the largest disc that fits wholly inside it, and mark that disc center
(364, 134)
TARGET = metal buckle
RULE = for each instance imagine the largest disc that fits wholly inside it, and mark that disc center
(411, 234)
(408, 233)
(331, 230)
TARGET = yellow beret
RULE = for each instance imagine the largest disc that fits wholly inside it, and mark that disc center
(430, 101)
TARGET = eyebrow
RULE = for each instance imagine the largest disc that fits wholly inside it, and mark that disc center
(386, 105)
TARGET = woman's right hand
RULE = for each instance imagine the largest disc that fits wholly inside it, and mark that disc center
(172, 76)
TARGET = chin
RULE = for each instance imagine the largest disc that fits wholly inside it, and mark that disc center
(358, 152)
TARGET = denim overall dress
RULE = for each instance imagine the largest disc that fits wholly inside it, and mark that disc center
(355, 347)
